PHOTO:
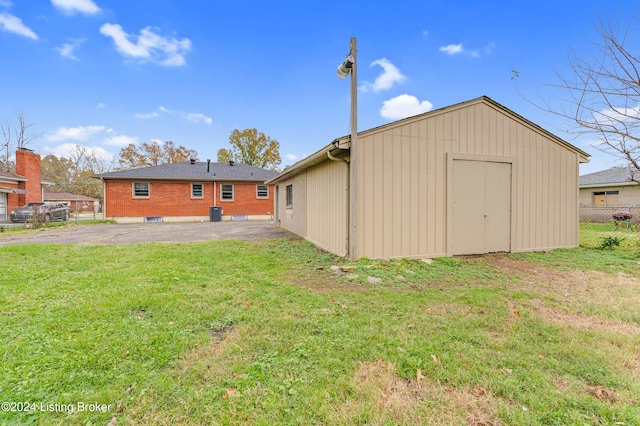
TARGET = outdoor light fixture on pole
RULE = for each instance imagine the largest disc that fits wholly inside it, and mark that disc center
(349, 66)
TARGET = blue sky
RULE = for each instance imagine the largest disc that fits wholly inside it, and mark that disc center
(103, 74)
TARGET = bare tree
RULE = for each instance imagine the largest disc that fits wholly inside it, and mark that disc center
(603, 93)
(16, 136)
(24, 131)
(5, 164)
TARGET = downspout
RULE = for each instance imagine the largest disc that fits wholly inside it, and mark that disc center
(347, 204)
(104, 199)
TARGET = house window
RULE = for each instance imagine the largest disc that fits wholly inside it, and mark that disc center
(606, 198)
(289, 196)
(140, 189)
(226, 192)
(197, 190)
(262, 191)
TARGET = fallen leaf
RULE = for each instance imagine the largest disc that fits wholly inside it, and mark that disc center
(435, 359)
(419, 375)
(542, 356)
(113, 421)
(507, 370)
(411, 326)
(428, 310)
(516, 313)
(603, 393)
(333, 300)
(230, 393)
(248, 304)
(478, 391)
(171, 322)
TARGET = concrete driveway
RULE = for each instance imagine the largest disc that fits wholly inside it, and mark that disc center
(147, 232)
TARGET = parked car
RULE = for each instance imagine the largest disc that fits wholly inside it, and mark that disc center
(45, 212)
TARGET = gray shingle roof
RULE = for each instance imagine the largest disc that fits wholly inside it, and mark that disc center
(612, 176)
(197, 171)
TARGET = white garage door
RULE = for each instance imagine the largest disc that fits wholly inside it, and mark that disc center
(481, 207)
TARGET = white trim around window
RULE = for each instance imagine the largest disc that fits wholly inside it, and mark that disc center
(140, 189)
(262, 191)
(197, 190)
(226, 192)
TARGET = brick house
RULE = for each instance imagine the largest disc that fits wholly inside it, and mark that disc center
(22, 187)
(185, 191)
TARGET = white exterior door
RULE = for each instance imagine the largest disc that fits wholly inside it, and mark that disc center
(481, 207)
(3, 206)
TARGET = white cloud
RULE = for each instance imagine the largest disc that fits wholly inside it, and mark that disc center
(456, 49)
(70, 7)
(5, 3)
(100, 105)
(68, 150)
(147, 115)
(80, 133)
(120, 140)
(13, 24)
(404, 106)
(616, 116)
(390, 75)
(149, 46)
(425, 33)
(291, 157)
(67, 49)
(196, 117)
(452, 49)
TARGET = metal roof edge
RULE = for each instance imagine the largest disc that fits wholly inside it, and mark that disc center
(311, 160)
(608, 185)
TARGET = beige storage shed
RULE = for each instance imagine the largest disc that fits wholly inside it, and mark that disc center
(471, 178)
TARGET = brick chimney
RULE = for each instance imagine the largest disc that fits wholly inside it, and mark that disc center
(28, 165)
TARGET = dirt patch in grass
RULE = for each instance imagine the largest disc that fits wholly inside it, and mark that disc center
(387, 398)
(583, 321)
(614, 294)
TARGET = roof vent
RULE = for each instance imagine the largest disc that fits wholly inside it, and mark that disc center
(192, 160)
(231, 162)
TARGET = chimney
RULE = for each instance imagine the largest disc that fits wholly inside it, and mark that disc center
(28, 165)
(208, 165)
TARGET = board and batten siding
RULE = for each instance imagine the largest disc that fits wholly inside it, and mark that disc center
(402, 203)
(327, 206)
(293, 218)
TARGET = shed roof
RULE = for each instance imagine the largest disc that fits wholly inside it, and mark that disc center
(615, 176)
(196, 171)
(66, 196)
(343, 142)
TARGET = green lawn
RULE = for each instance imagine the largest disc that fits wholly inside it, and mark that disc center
(595, 234)
(229, 332)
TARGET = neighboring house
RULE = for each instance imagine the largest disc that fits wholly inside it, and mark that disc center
(22, 187)
(75, 202)
(470, 178)
(609, 188)
(607, 191)
(186, 191)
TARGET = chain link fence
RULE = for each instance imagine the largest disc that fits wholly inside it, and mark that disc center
(611, 226)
